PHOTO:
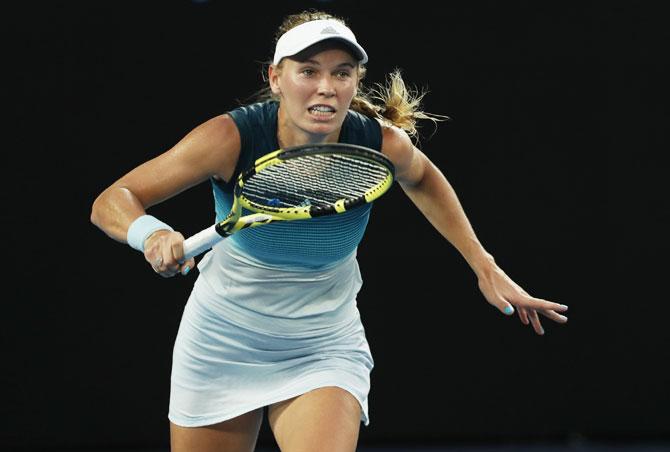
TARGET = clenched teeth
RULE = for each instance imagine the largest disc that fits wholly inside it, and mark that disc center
(322, 109)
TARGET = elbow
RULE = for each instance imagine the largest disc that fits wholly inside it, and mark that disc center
(95, 211)
(100, 206)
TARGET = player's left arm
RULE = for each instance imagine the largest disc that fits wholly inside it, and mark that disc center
(433, 195)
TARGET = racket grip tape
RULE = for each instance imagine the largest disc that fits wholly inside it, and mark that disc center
(201, 242)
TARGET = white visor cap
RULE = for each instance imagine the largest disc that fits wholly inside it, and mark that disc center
(304, 35)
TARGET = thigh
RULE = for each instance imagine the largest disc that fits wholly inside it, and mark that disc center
(235, 435)
(325, 419)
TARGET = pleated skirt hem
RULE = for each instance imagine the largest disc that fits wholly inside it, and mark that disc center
(310, 383)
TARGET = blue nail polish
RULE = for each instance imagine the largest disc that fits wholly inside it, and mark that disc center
(186, 270)
(509, 310)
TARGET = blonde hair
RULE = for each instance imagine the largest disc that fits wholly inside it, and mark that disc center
(393, 103)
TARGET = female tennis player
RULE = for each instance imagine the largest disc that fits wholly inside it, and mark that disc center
(272, 318)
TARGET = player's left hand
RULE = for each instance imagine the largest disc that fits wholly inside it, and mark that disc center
(506, 295)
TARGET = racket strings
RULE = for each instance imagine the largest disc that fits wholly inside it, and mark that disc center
(319, 180)
(334, 178)
(334, 181)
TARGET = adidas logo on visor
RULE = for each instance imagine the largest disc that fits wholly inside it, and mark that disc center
(306, 34)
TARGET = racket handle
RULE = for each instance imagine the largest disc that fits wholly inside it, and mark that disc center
(201, 242)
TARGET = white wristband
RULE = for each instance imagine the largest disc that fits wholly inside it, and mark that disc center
(142, 228)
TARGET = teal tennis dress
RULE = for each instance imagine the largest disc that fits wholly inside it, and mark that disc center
(273, 312)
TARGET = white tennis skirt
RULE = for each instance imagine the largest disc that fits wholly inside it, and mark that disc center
(253, 335)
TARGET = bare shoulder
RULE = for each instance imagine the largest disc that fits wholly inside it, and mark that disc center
(218, 142)
(221, 127)
(211, 149)
(398, 147)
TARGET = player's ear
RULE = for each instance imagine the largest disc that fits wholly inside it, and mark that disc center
(273, 78)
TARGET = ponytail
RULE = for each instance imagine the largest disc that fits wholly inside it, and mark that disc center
(394, 104)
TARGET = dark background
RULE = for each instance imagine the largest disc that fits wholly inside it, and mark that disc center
(559, 119)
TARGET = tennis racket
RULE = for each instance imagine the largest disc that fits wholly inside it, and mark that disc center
(299, 183)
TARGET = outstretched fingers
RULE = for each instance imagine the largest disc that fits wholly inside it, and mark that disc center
(523, 315)
(555, 316)
(538, 304)
(535, 321)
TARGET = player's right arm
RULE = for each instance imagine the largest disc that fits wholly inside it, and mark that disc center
(211, 149)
